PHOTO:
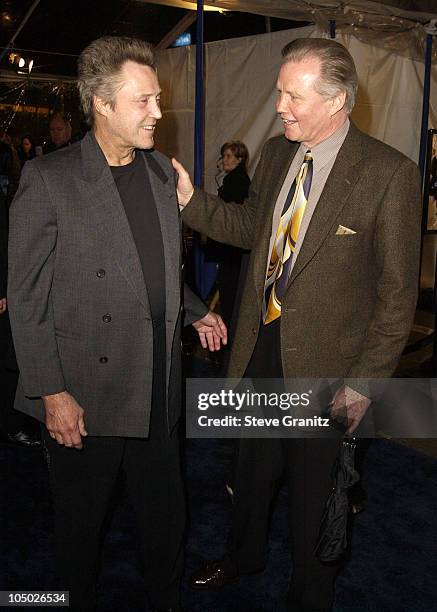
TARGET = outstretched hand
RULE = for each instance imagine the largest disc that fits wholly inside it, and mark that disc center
(184, 187)
(212, 331)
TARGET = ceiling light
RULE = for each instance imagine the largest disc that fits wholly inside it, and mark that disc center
(20, 63)
(190, 6)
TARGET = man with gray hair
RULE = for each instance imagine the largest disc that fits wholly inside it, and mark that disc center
(96, 306)
(333, 224)
(60, 133)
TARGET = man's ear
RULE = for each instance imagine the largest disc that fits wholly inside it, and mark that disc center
(100, 106)
(338, 102)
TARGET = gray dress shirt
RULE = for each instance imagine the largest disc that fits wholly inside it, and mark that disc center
(324, 155)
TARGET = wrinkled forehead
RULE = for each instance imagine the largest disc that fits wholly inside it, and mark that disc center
(306, 70)
(138, 77)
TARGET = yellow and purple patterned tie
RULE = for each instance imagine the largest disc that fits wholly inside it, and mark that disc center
(285, 240)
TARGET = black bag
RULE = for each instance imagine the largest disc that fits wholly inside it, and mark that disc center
(333, 535)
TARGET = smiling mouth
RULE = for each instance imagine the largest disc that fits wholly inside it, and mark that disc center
(288, 122)
(148, 128)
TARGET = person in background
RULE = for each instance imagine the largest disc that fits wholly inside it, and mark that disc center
(9, 168)
(232, 261)
(26, 149)
(235, 188)
(60, 133)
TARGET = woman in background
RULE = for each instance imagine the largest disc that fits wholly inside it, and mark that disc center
(26, 150)
(235, 188)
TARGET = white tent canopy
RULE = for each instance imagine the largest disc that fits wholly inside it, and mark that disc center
(303, 10)
(398, 25)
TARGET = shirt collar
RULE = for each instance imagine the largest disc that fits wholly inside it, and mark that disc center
(327, 149)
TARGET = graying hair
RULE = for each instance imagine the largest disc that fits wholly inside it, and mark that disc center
(61, 116)
(337, 68)
(100, 65)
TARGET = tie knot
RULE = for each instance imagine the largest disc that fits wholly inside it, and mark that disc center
(308, 156)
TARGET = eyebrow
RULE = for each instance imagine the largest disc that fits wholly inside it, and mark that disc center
(147, 95)
(290, 93)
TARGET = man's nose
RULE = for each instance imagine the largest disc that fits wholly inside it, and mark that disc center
(156, 110)
(280, 104)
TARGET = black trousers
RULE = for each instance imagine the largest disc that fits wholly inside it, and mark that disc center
(82, 483)
(306, 465)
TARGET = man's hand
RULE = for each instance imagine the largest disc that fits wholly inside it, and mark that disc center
(349, 407)
(185, 187)
(3, 305)
(64, 419)
(212, 331)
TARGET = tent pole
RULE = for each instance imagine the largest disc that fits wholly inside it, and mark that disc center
(199, 104)
(198, 254)
(332, 25)
(425, 105)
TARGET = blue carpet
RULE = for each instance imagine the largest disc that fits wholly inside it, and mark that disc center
(394, 556)
(393, 565)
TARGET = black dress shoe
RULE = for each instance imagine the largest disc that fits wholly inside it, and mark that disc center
(212, 575)
(23, 439)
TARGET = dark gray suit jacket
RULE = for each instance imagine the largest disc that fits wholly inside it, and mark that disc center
(73, 260)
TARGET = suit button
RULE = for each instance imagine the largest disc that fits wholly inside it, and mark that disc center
(103, 360)
(254, 330)
(101, 273)
(107, 318)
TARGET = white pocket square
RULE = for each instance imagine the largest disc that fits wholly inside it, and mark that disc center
(343, 231)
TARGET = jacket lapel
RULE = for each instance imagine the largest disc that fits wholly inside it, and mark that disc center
(334, 197)
(168, 213)
(97, 187)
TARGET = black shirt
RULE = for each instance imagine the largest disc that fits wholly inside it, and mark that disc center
(139, 204)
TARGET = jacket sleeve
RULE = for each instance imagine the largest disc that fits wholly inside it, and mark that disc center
(226, 222)
(32, 254)
(3, 245)
(194, 308)
(397, 250)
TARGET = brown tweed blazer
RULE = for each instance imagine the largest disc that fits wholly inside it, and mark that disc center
(350, 301)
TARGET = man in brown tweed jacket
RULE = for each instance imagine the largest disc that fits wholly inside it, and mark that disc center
(349, 300)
